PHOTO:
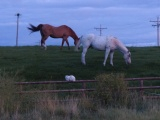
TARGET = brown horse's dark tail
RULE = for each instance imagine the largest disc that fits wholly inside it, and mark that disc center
(33, 28)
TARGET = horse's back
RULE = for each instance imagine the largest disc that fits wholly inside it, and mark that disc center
(64, 29)
(94, 38)
(87, 38)
(47, 26)
(64, 26)
(55, 27)
(97, 42)
(100, 42)
(53, 31)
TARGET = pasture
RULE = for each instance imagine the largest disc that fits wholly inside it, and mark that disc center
(35, 64)
(31, 63)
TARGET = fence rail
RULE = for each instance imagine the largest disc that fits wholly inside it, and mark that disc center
(84, 88)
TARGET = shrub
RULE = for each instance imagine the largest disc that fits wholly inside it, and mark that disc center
(8, 98)
(111, 89)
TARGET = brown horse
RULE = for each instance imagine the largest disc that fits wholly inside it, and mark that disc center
(62, 31)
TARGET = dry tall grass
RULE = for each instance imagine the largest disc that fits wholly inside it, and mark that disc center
(49, 107)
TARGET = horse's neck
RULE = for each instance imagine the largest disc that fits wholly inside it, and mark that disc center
(73, 35)
(121, 47)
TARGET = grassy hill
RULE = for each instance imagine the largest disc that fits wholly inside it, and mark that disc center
(35, 64)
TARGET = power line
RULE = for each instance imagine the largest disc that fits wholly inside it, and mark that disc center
(157, 25)
(100, 29)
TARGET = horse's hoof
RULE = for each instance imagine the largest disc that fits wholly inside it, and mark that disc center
(111, 64)
(84, 63)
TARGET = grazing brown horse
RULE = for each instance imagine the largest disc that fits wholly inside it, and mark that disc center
(47, 30)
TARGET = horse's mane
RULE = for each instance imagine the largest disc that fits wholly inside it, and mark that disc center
(74, 34)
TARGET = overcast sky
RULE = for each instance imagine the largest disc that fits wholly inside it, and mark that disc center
(128, 20)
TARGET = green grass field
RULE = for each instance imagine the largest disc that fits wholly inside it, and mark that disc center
(35, 64)
(31, 63)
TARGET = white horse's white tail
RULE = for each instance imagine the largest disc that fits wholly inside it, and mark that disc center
(78, 44)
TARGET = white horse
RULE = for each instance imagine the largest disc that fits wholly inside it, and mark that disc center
(109, 44)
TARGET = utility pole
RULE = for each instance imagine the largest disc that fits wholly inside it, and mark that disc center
(157, 25)
(18, 14)
(100, 29)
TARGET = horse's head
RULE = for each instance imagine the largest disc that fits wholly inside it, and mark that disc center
(76, 41)
(127, 57)
(77, 44)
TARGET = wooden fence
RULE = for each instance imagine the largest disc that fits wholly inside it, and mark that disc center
(84, 88)
(142, 87)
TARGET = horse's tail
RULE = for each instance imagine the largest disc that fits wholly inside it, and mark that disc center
(78, 44)
(34, 28)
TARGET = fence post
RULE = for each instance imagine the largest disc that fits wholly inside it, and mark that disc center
(141, 90)
(84, 87)
(20, 88)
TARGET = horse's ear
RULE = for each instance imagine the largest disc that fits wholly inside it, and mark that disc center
(80, 37)
(129, 54)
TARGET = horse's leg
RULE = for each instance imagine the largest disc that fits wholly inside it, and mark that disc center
(106, 55)
(83, 55)
(65, 40)
(111, 57)
(43, 42)
(62, 44)
(68, 44)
